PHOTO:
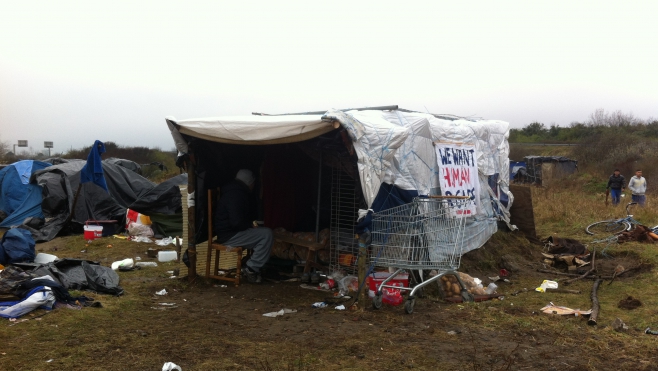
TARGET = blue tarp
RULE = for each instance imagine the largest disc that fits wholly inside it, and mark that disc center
(17, 246)
(514, 166)
(20, 199)
(93, 170)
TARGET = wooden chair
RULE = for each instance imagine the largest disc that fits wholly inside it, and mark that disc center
(313, 248)
(217, 248)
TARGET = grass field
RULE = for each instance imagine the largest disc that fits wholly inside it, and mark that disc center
(222, 328)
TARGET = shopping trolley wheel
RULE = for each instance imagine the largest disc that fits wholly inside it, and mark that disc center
(409, 305)
(467, 297)
(377, 301)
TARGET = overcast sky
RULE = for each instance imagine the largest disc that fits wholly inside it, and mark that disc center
(73, 72)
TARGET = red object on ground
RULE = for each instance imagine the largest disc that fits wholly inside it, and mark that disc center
(389, 296)
(504, 273)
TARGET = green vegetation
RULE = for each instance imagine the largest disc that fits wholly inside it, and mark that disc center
(599, 125)
(600, 145)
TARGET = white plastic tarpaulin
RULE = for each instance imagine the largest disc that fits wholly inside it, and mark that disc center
(393, 146)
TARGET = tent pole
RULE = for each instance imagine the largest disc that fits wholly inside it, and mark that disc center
(72, 213)
(191, 209)
(317, 210)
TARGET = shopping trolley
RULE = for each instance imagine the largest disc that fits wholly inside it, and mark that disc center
(427, 233)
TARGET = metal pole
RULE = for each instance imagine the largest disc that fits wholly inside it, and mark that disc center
(317, 210)
(191, 224)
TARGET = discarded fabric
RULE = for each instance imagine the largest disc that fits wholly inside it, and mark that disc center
(340, 307)
(319, 304)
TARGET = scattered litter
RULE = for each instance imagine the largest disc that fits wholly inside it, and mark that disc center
(109, 246)
(650, 331)
(161, 292)
(319, 304)
(340, 307)
(170, 272)
(279, 313)
(546, 285)
(452, 332)
(168, 241)
(140, 239)
(564, 311)
(619, 325)
(503, 272)
(121, 237)
(171, 366)
(146, 264)
(173, 277)
(83, 251)
(165, 256)
(220, 286)
(138, 258)
(126, 263)
(494, 278)
(50, 360)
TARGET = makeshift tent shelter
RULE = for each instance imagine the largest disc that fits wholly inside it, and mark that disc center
(52, 190)
(544, 170)
(20, 199)
(388, 153)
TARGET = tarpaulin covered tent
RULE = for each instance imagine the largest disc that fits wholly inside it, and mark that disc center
(20, 199)
(393, 150)
(543, 170)
(57, 185)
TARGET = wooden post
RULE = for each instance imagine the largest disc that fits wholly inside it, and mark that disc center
(191, 209)
(595, 304)
(363, 256)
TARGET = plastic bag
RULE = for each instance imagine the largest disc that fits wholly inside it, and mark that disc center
(348, 283)
(140, 230)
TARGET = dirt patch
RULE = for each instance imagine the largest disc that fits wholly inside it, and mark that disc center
(629, 303)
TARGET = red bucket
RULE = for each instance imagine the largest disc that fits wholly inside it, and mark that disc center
(92, 232)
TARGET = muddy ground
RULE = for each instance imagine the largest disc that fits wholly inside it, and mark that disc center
(210, 327)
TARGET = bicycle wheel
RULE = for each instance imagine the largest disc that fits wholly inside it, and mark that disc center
(608, 227)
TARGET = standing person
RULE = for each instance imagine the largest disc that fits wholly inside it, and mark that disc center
(638, 185)
(616, 186)
(234, 227)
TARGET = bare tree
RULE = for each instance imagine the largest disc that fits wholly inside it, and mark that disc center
(4, 148)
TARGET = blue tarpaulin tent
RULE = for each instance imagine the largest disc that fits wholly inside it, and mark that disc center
(19, 198)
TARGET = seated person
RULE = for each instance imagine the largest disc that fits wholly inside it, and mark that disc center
(233, 227)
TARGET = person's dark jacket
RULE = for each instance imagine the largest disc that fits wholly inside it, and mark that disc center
(232, 212)
(616, 182)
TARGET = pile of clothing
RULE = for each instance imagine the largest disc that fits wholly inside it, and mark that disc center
(25, 287)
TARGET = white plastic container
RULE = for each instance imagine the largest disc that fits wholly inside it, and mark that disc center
(42, 258)
(128, 263)
(167, 255)
(491, 289)
(146, 264)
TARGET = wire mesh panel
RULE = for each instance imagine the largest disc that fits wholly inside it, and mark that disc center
(424, 234)
(345, 203)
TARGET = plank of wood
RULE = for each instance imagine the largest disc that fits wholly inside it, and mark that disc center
(299, 242)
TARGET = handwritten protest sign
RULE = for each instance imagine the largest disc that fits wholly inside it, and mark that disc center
(458, 174)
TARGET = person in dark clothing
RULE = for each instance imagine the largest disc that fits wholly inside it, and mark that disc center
(234, 227)
(616, 186)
